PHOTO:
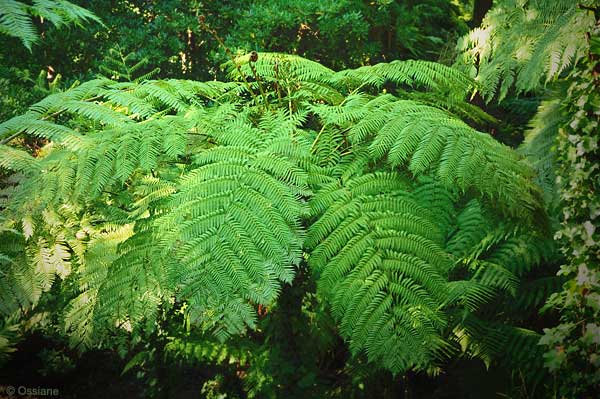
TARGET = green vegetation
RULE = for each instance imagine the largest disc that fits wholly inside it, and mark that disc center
(300, 199)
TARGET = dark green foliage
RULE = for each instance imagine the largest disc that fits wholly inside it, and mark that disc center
(529, 47)
(359, 31)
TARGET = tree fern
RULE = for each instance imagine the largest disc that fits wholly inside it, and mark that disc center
(212, 193)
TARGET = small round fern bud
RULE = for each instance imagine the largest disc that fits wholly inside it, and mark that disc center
(81, 235)
(253, 56)
(201, 19)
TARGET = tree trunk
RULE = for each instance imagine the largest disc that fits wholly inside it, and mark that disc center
(480, 8)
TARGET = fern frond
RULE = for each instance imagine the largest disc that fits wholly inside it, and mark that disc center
(376, 258)
(234, 229)
(272, 66)
(410, 73)
(539, 144)
(15, 17)
(9, 337)
(513, 347)
(428, 140)
(524, 45)
(15, 21)
(17, 160)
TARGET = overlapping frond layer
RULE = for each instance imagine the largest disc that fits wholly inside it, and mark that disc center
(498, 254)
(496, 267)
(243, 174)
(502, 264)
(29, 266)
(197, 193)
(103, 103)
(122, 129)
(276, 76)
(96, 162)
(525, 44)
(19, 285)
(379, 261)
(87, 317)
(238, 208)
(309, 80)
(134, 285)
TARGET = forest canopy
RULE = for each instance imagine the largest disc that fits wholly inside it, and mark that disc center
(265, 199)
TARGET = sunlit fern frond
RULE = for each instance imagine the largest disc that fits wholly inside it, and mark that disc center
(524, 45)
(16, 17)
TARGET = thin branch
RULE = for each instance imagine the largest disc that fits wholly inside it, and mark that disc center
(204, 25)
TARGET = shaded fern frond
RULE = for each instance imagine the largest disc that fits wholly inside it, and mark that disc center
(134, 285)
(120, 66)
(498, 343)
(539, 146)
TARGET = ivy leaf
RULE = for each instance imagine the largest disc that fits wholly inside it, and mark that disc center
(554, 359)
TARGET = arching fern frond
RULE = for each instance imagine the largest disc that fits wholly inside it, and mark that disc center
(415, 74)
(274, 66)
(539, 144)
(428, 140)
(379, 262)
